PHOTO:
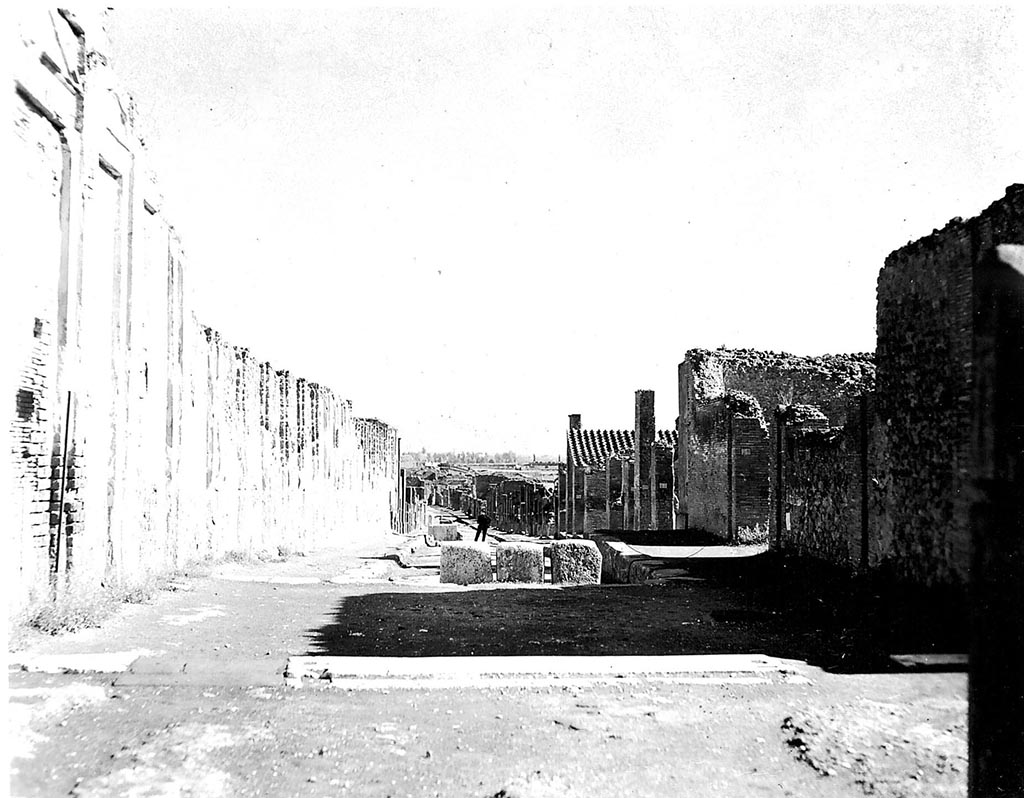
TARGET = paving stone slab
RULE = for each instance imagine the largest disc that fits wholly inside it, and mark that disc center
(519, 562)
(466, 563)
(575, 562)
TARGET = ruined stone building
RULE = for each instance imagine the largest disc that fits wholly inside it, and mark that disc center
(617, 479)
(140, 439)
(927, 319)
(864, 462)
(516, 502)
(728, 425)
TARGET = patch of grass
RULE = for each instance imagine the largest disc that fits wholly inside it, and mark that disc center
(84, 608)
(191, 570)
(139, 593)
(238, 556)
(71, 611)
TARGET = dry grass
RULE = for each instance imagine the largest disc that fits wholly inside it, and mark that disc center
(77, 608)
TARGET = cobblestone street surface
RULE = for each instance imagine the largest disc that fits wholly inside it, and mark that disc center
(314, 676)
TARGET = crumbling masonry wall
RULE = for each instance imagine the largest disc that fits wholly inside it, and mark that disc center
(139, 439)
(727, 401)
(925, 327)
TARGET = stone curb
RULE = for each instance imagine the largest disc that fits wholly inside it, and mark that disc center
(624, 566)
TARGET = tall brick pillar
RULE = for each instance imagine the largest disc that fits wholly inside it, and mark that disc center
(996, 689)
(643, 438)
(628, 497)
(573, 482)
(560, 500)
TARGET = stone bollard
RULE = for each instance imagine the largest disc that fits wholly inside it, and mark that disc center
(575, 562)
(466, 563)
(442, 532)
(520, 562)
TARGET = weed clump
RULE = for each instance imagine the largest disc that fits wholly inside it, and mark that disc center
(70, 612)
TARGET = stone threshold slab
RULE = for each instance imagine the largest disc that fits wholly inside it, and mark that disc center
(698, 552)
(104, 662)
(456, 668)
(931, 661)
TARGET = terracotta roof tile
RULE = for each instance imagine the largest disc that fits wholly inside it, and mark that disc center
(593, 447)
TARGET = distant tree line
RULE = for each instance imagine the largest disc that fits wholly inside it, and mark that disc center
(472, 458)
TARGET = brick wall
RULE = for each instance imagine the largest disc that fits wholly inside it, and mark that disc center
(751, 467)
(662, 489)
(139, 439)
(614, 491)
(595, 487)
(925, 371)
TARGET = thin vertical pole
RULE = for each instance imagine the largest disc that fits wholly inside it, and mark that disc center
(63, 483)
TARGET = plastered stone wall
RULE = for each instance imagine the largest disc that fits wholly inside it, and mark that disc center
(708, 489)
(138, 438)
(925, 371)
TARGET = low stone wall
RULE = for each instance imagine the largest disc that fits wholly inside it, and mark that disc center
(445, 532)
(576, 562)
(466, 563)
(519, 562)
(617, 559)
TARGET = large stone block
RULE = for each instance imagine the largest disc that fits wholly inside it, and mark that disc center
(444, 532)
(466, 563)
(520, 562)
(576, 562)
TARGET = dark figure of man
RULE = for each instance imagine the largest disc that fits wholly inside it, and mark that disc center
(482, 522)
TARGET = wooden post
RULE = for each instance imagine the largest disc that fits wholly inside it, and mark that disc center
(996, 692)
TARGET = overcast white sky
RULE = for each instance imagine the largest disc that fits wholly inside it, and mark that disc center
(473, 223)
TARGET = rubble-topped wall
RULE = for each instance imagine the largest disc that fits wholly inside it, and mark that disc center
(777, 378)
(925, 330)
(140, 440)
(727, 404)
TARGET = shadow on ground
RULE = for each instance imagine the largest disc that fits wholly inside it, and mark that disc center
(765, 604)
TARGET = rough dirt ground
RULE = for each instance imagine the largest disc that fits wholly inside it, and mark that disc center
(206, 711)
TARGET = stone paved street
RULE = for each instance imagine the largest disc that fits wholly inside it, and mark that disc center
(196, 700)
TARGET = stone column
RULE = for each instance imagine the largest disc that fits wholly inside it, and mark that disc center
(613, 501)
(570, 477)
(643, 441)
